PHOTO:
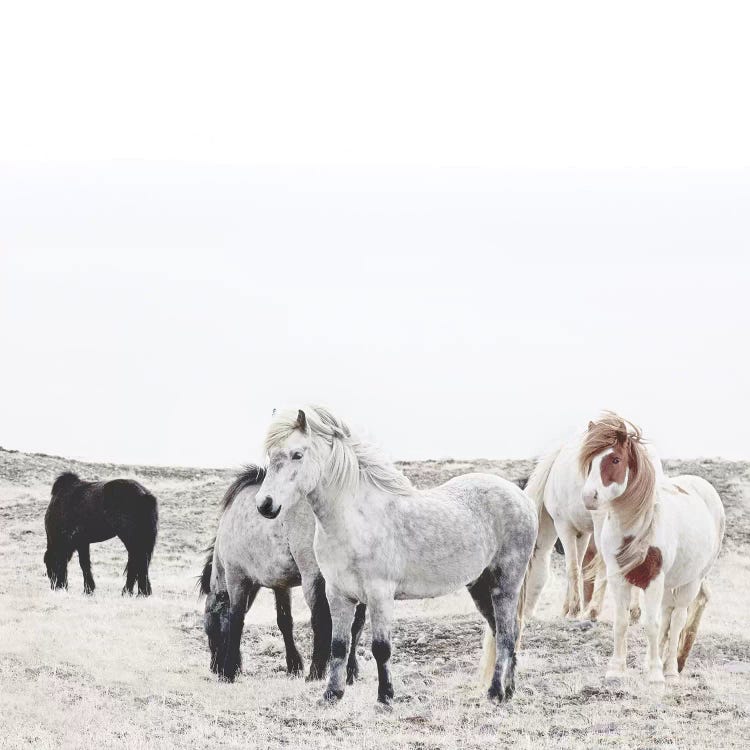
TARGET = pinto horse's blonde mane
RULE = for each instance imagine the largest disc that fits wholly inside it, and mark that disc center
(635, 507)
(350, 460)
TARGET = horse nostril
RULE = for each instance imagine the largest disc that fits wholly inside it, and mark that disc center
(265, 506)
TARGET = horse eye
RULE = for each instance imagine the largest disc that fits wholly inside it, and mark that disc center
(615, 460)
(296, 456)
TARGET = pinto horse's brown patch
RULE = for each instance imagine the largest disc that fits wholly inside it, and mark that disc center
(614, 465)
(641, 575)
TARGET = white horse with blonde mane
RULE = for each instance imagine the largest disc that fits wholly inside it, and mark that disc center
(556, 485)
(377, 539)
(659, 534)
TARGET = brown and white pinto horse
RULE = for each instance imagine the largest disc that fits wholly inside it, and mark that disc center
(661, 536)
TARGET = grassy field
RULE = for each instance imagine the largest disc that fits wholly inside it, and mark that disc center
(106, 671)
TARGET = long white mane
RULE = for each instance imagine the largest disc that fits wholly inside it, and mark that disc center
(350, 460)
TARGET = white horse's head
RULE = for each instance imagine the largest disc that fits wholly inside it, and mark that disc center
(616, 464)
(315, 450)
(294, 464)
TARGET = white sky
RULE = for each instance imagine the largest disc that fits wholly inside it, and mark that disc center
(466, 226)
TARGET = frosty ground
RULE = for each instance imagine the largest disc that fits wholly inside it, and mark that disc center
(107, 671)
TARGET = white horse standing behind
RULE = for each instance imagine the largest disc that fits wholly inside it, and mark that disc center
(556, 484)
(659, 534)
(377, 538)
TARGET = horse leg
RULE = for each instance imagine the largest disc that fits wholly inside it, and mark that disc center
(667, 607)
(285, 622)
(588, 581)
(480, 593)
(507, 579)
(569, 536)
(653, 598)
(596, 570)
(242, 593)
(85, 561)
(144, 584)
(131, 569)
(635, 605)
(381, 614)
(342, 615)
(616, 666)
(352, 666)
(314, 589)
(539, 565)
(695, 613)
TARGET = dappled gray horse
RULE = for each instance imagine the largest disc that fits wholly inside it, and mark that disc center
(377, 538)
(248, 553)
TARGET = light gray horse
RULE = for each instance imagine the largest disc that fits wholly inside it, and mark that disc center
(377, 538)
(248, 553)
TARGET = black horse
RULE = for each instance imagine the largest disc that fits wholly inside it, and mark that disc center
(82, 513)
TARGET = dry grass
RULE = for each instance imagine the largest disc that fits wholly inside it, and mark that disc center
(111, 672)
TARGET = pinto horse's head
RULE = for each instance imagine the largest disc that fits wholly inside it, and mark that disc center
(615, 463)
(293, 464)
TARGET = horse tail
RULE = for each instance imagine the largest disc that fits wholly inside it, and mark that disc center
(204, 579)
(537, 481)
(695, 613)
(150, 509)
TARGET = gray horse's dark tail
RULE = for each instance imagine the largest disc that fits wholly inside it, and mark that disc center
(204, 580)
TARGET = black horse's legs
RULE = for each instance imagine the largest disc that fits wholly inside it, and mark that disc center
(131, 571)
(352, 667)
(315, 595)
(241, 596)
(85, 562)
(285, 622)
(144, 584)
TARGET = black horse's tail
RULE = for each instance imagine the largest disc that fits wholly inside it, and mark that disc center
(145, 518)
(204, 580)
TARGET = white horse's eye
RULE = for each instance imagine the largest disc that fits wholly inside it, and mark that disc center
(296, 456)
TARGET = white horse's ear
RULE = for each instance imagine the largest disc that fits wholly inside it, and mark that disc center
(273, 412)
(591, 426)
(301, 423)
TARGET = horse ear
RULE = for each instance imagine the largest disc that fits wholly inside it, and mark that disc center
(301, 423)
(622, 436)
(591, 426)
(273, 412)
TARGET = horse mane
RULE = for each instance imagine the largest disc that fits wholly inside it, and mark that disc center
(249, 476)
(350, 460)
(635, 507)
(65, 481)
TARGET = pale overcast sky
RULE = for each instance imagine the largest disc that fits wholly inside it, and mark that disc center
(467, 227)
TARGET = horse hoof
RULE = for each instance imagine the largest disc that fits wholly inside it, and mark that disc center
(635, 615)
(295, 667)
(671, 677)
(496, 696)
(352, 674)
(592, 614)
(656, 677)
(384, 704)
(331, 696)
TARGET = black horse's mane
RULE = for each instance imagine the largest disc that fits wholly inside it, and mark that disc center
(248, 477)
